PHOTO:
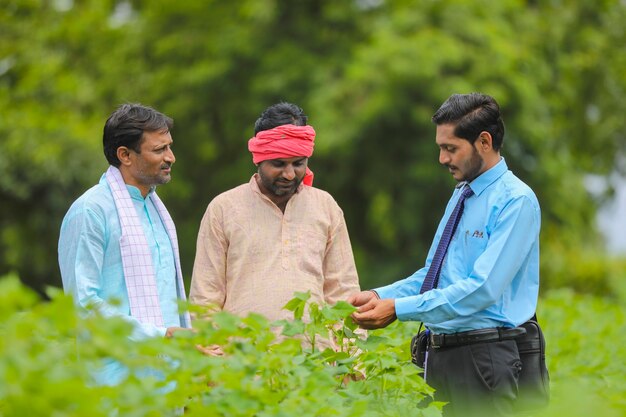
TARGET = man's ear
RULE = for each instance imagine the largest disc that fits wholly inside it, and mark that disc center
(123, 154)
(484, 141)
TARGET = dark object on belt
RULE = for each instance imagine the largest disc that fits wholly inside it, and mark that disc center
(534, 380)
(475, 336)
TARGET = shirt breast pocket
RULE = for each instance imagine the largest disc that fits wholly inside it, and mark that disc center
(474, 243)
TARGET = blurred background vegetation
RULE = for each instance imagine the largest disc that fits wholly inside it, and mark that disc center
(369, 73)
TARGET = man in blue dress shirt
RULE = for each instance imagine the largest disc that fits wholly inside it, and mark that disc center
(489, 279)
(118, 251)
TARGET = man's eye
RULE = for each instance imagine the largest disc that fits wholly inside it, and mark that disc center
(163, 149)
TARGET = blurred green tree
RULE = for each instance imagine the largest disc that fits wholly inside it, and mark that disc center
(369, 73)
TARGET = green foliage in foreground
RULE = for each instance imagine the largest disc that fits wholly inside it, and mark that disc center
(586, 339)
(44, 370)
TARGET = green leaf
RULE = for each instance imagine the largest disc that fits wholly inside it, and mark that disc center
(293, 328)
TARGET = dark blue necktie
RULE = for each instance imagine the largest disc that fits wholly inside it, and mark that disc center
(432, 276)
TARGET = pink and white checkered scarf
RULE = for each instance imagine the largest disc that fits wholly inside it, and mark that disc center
(136, 257)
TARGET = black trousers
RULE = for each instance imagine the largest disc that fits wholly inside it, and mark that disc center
(477, 379)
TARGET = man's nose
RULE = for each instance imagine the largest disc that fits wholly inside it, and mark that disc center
(169, 156)
(444, 158)
(288, 172)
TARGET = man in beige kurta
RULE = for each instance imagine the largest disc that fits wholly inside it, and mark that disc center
(262, 241)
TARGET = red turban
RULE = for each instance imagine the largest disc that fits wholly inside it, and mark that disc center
(285, 141)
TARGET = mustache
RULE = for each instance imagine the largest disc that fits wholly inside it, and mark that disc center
(166, 166)
(283, 181)
(286, 183)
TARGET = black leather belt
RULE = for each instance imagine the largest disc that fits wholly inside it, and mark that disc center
(475, 336)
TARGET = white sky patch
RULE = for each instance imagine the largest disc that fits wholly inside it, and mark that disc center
(122, 14)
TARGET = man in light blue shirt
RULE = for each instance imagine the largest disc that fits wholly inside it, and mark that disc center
(489, 280)
(96, 262)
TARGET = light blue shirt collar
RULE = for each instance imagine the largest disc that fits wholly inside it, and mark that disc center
(484, 180)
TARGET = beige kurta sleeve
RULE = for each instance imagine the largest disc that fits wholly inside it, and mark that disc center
(340, 275)
(208, 281)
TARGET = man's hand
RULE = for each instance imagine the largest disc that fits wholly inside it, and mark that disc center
(171, 330)
(213, 350)
(362, 297)
(375, 313)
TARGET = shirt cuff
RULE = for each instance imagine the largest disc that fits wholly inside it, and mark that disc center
(383, 292)
(161, 331)
(405, 309)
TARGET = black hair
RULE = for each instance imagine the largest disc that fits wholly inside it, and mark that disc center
(280, 114)
(471, 114)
